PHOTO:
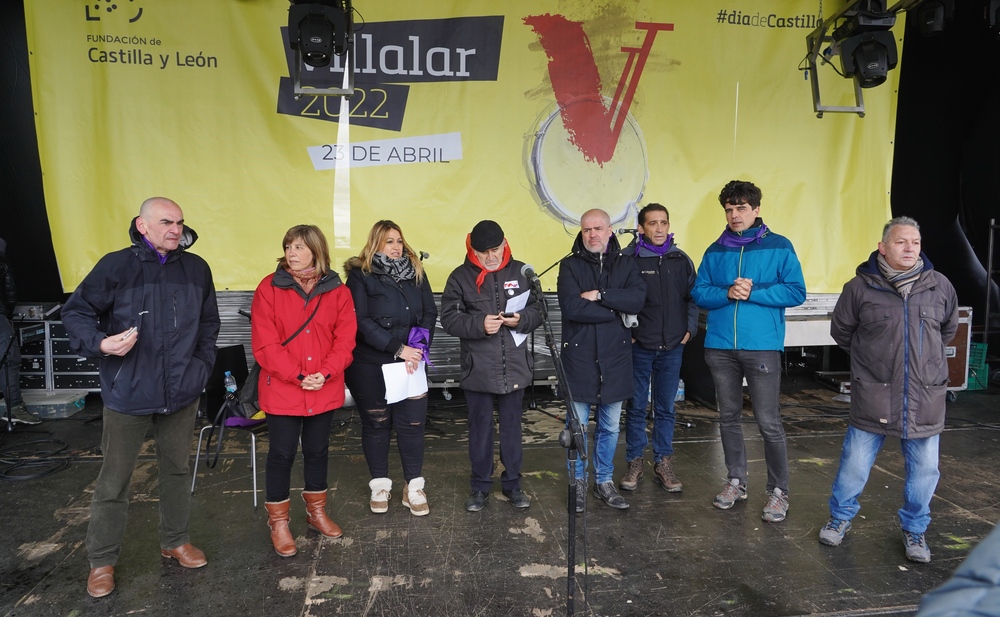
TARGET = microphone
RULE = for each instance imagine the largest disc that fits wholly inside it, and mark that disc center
(627, 230)
(424, 255)
(529, 273)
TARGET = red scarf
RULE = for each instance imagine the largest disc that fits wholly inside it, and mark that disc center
(471, 254)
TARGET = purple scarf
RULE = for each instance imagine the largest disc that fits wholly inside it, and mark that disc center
(734, 239)
(652, 248)
(419, 339)
(162, 258)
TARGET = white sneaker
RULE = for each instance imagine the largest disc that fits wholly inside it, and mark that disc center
(381, 495)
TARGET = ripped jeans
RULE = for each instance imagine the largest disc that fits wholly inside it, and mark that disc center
(408, 417)
(378, 420)
(762, 370)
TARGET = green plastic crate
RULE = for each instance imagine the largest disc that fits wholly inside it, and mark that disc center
(979, 371)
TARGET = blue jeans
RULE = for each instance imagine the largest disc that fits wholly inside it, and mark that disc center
(664, 367)
(762, 370)
(921, 459)
(605, 439)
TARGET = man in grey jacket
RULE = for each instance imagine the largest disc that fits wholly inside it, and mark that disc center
(894, 318)
(479, 306)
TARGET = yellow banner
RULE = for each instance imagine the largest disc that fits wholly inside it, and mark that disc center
(527, 112)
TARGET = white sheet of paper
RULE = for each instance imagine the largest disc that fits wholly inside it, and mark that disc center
(399, 384)
(516, 305)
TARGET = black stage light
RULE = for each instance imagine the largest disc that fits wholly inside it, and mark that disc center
(318, 30)
(932, 14)
(868, 57)
(867, 47)
(867, 17)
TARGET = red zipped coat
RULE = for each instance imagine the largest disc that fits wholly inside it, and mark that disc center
(324, 346)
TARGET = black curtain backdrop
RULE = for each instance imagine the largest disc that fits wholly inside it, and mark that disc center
(946, 161)
(944, 174)
(24, 223)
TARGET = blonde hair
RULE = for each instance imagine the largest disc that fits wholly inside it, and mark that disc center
(376, 239)
(313, 238)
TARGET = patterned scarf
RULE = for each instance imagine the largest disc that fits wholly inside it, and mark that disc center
(400, 269)
(306, 279)
(902, 280)
(471, 254)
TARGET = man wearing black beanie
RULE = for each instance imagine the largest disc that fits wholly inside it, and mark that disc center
(476, 307)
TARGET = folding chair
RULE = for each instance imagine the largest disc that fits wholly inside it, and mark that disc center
(253, 427)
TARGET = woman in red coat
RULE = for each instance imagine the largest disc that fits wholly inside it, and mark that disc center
(303, 333)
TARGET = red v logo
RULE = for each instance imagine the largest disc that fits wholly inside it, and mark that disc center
(593, 127)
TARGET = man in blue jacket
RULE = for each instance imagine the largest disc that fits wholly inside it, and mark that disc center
(599, 288)
(148, 313)
(666, 322)
(746, 280)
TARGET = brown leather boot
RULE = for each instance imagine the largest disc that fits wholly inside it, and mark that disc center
(316, 514)
(633, 476)
(664, 474)
(277, 522)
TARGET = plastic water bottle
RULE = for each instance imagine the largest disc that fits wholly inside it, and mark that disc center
(680, 391)
(230, 383)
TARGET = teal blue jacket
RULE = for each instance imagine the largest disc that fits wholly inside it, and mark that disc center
(758, 323)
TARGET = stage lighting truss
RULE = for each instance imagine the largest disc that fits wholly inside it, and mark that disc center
(859, 33)
(317, 31)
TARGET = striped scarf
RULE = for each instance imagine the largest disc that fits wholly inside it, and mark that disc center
(902, 280)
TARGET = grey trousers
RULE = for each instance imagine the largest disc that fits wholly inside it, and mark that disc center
(121, 443)
(762, 370)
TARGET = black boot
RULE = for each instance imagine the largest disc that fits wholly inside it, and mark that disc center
(607, 493)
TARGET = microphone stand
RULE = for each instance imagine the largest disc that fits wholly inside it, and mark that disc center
(8, 371)
(545, 313)
(573, 438)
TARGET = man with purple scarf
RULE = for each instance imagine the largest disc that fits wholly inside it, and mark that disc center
(746, 280)
(666, 322)
(148, 313)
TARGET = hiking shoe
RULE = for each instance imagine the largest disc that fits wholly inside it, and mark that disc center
(581, 494)
(916, 547)
(517, 498)
(607, 493)
(633, 475)
(663, 473)
(777, 506)
(19, 414)
(834, 531)
(476, 500)
(733, 492)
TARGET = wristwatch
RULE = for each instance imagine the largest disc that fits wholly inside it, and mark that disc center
(599, 296)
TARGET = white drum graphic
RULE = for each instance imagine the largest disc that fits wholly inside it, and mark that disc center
(566, 184)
